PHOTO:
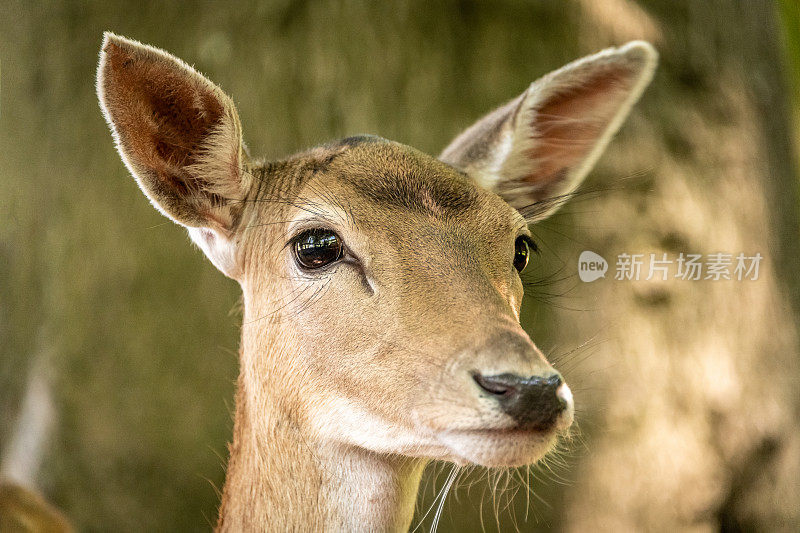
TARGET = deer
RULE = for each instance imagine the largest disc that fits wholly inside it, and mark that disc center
(381, 286)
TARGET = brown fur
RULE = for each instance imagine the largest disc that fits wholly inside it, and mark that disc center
(353, 377)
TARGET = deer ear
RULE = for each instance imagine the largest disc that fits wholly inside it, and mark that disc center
(535, 150)
(180, 137)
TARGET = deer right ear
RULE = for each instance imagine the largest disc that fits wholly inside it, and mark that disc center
(536, 150)
(180, 137)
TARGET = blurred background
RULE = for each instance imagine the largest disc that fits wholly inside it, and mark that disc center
(118, 340)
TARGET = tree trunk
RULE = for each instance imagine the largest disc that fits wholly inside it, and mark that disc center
(696, 382)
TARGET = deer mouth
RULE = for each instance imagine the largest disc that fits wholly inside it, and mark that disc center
(509, 447)
(518, 437)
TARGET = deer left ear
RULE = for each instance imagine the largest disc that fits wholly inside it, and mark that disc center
(179, 135)
(535, 150)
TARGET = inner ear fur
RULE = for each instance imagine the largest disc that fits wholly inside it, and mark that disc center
(177, 132)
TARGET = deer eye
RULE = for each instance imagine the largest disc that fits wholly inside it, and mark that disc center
(317, 248)
(523, 247)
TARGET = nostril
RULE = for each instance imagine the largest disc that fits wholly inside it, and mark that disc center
(552, 386)
(497, 385)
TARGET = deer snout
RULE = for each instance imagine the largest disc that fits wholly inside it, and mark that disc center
(535, 402)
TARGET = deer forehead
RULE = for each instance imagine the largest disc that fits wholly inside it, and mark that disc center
(379, 187)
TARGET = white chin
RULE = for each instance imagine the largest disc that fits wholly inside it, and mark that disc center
(501, 448)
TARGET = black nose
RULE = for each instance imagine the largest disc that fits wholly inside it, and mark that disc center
(532, 401)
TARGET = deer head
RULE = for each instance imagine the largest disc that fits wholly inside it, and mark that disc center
(381, 285)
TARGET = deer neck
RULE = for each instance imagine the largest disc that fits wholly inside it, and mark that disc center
(280, 479)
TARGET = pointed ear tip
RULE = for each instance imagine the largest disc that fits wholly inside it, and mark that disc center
(640, 52)
(116, 48)
(113, 49)
(112, 39)
(111, 43)
(118, 44)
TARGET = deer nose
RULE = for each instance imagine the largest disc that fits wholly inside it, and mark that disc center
(534, 402)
